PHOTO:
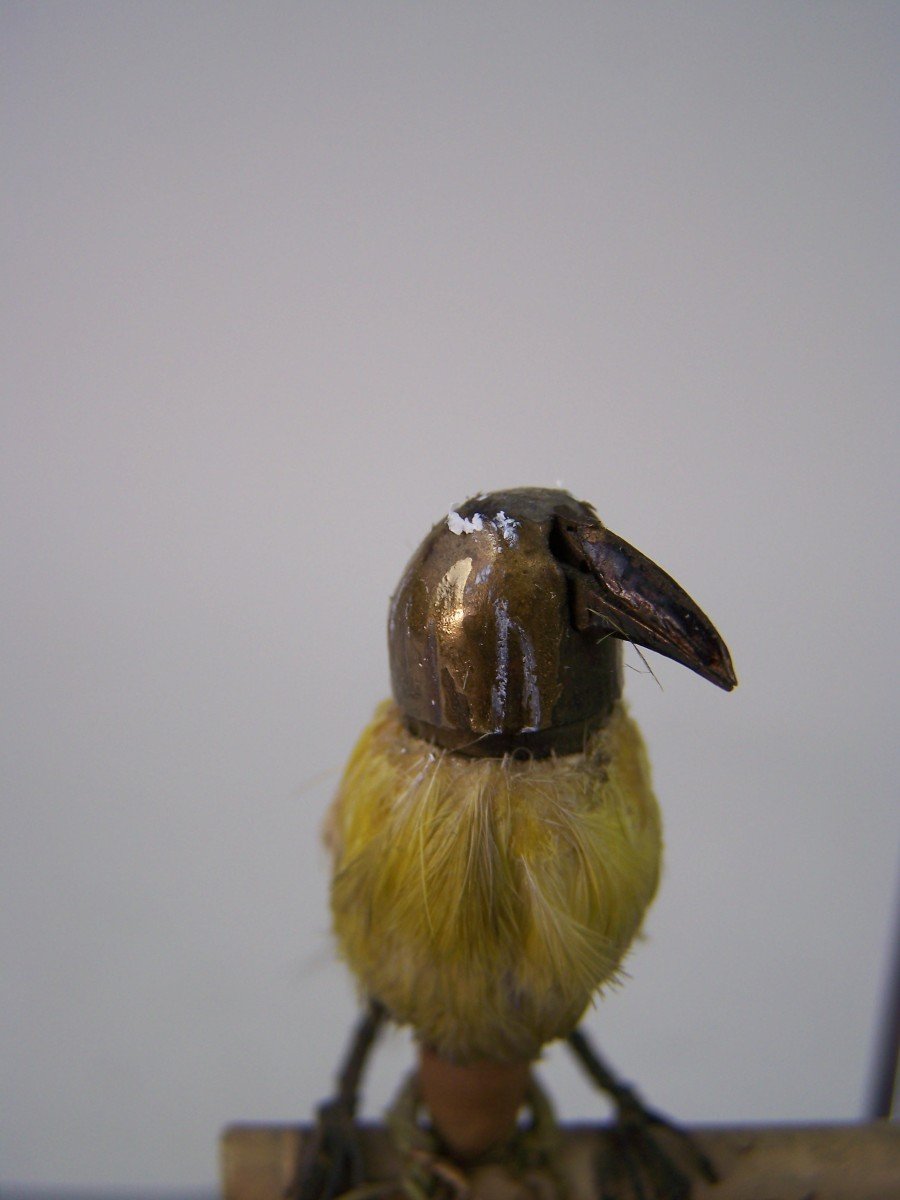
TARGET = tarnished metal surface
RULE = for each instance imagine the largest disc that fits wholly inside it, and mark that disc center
(505, 631)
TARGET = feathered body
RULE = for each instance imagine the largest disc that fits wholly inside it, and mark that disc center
(484, 901)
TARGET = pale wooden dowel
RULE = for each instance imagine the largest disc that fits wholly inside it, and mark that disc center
(833, 1162)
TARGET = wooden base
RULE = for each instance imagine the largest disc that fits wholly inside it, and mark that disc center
(814, 1162)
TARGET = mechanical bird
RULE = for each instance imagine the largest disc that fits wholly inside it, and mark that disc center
(495, 837)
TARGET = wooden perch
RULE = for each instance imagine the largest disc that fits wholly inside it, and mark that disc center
(807, 1162)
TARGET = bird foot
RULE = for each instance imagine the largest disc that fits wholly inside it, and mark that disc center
(650, 1171)
(646, 1166)
(332, 1162)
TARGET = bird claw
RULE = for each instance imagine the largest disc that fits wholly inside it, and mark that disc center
(332, 1163)
(438, 1177)
(652, 1173)
(651, 1170)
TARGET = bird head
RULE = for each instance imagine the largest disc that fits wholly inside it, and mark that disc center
(506, 629)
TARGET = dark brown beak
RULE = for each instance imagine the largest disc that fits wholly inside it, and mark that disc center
(620, 590)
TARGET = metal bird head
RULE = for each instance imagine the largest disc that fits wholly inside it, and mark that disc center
(506, 630)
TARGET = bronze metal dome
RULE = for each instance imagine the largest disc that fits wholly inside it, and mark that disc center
(505, 631)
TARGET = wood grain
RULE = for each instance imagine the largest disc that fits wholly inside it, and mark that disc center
(813, 1162)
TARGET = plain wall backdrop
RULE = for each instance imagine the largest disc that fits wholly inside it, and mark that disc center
(285, 281)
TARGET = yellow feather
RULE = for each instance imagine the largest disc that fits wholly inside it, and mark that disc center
(484, 901)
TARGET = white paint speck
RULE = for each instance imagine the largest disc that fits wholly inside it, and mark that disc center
(507, 526)
(457, 524)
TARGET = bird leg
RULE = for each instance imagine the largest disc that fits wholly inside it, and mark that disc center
(332, 1162)
(651, 1172)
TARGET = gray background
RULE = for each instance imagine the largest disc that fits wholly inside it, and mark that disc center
(283, 283)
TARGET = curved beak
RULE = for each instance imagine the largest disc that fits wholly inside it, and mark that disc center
(620, 590)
